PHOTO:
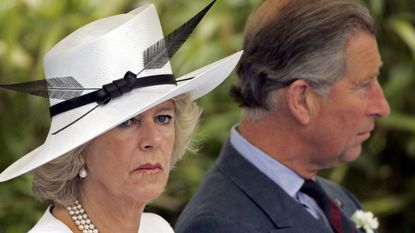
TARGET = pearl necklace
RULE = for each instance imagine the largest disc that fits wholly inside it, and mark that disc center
(80, 218)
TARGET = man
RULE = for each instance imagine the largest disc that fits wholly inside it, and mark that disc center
(309, 94)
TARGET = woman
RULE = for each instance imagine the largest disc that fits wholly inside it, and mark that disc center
(112, 141)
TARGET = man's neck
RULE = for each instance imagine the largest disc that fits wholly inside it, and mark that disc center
(279, 142)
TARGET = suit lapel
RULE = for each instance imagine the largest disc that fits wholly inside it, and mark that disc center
(282, 209)
(347, 204)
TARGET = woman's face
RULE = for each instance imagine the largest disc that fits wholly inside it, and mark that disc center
(132, 161)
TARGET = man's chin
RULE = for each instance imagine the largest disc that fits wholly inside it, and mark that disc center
(351, 155)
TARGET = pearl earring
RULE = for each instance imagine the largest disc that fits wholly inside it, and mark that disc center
(83, 173)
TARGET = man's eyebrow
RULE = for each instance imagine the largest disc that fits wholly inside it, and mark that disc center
(375, 73)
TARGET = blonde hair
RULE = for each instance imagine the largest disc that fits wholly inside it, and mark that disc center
(58, 180)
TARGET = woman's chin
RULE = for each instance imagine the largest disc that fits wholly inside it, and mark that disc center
(148, 195)
(146, 191)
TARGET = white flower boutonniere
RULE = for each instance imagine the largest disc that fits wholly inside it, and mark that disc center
(365, 220)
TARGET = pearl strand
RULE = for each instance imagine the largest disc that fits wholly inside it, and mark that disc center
(80, 218)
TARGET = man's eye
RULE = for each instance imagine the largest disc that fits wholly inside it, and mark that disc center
(367, 84)
(164, 119)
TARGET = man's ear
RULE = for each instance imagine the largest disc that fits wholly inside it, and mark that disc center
(300, 101)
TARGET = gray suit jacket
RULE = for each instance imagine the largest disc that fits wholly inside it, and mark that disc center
(235, 197)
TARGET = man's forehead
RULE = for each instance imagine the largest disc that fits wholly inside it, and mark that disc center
(363, 55)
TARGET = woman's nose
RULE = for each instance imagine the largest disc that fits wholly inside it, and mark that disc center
(151, 137)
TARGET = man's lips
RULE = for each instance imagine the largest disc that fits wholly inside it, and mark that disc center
(153, 167)
(365, 135)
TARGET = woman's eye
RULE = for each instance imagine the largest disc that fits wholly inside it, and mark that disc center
(127, 123)
(164, 119)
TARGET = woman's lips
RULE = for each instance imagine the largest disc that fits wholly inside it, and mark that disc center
(149, 167)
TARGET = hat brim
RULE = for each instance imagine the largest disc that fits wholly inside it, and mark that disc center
(117, 111)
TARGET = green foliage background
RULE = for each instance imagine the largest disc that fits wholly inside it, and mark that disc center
(383, 178)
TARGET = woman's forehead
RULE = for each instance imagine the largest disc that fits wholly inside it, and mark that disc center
(167, 105)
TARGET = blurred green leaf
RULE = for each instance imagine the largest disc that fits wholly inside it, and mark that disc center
(405, 30)
(399, 121)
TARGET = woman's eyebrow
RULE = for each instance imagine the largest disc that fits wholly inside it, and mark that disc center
(170, 109)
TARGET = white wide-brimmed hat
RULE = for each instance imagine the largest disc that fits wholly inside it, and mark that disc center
(105, 67)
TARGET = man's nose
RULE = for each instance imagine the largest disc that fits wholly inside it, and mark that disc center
(379, 106)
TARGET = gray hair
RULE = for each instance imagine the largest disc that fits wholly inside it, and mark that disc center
(58, 180)
(295, 39)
